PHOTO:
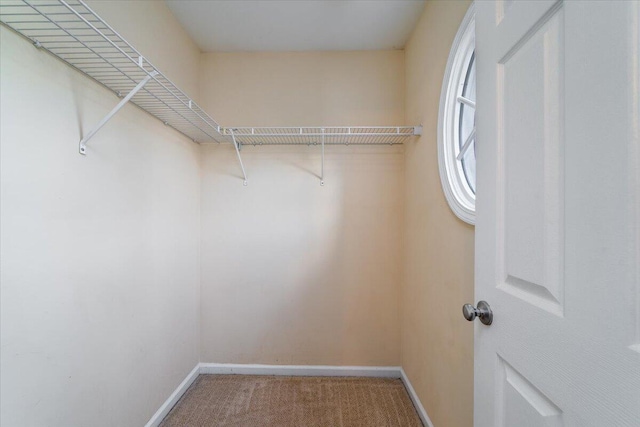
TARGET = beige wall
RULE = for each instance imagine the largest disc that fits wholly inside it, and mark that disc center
(103, 291)
(99, 254)
(292, 272)
(437, 343)
(304, 88)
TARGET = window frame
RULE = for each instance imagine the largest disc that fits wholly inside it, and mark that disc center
(458, 193)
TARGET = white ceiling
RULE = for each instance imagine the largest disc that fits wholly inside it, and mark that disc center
(297, 25)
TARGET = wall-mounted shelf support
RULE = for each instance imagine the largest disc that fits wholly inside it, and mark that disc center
(74, 33)
(323, 136)
(71, 31)
(322, 169)
(237, 147)
(83, 141)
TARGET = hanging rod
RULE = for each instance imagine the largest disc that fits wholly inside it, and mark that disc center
(73, 32)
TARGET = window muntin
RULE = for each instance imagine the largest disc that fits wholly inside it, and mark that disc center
(467, 126)
(456, 124)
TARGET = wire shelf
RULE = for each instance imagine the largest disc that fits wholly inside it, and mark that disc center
(70, 30)
(378, 135)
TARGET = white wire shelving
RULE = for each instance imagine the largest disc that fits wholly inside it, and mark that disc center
(71, 31)
(346, 135)
(322, 136)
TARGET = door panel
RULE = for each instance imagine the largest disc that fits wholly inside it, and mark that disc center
(530, 102)
(558, 213)
(519, 403)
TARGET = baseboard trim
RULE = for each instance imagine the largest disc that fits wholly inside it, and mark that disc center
(416, 401)
(302, 370)
(157, 418)
(290, 370)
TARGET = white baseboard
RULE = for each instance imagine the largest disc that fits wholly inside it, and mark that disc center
(290, 370)
(416, 401)
(302, 370)
(157, 418)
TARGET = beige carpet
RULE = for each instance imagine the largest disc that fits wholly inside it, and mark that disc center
(250, 401)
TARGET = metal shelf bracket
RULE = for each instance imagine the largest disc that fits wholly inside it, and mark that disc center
(237, 147)
(73, 32)
(83, 141)
(322, 168)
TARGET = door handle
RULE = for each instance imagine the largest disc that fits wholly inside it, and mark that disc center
(483, 312)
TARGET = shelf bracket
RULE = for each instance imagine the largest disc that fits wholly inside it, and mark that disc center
(237, 147)
(322, 167)
(83, 141)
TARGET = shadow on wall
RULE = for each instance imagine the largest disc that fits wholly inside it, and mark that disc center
(296, 273)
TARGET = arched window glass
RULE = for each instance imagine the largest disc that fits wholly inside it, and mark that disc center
(456, 124)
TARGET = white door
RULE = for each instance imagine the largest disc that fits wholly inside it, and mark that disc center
(558, 213)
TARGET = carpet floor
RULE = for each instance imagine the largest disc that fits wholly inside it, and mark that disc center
(268, 401)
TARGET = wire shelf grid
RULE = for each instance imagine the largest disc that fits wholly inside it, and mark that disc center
(70, 30)
(373, 135)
